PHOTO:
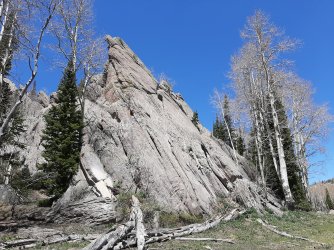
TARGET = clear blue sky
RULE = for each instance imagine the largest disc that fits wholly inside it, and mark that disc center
(191, 41)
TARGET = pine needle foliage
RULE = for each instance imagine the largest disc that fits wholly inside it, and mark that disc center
(62, 137)
(328, 200)
(195, 119)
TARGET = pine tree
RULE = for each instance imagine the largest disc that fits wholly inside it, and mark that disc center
(6, 95)
(195, 119)
(10, 140)
(8, 45)
(251, 153)
(218, 128)
(227, 123)
(215, 127)
(328, 201)
(240, 145)
(294, 174)
(62, 138)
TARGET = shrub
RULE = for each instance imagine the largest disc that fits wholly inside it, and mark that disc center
(328, 201)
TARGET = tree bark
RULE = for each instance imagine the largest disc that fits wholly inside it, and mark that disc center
(281, 155)
(4, 19)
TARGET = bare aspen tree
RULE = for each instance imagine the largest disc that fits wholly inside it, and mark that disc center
(276, 98)
(73, 30)
(308, 122)
(243, 67)
(4, 16)
(46, 10)
(218, 101)
(268, 44)
(92, 65)
(256, 77)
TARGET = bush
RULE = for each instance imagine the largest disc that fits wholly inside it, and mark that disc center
(195, 119)
(46, 202)
(328, 201)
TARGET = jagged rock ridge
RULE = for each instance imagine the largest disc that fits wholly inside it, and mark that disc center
(139, 135)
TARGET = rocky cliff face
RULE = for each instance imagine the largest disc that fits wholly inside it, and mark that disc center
(139, 136)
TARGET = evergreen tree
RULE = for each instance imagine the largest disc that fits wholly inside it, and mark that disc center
(9, 144)
(6, 95)
(62, 138)
(195, 119)
(251, 153)
(227, 123)
(215, 127)
(218, 128)
(294, 173)
(328, 201)
(272, 176)
(240, 145)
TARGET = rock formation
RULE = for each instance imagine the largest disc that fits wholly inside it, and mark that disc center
(139, 136)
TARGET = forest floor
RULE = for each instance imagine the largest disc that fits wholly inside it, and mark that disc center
(247, 233)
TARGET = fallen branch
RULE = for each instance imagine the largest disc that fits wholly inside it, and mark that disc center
(169, 234)
(18, 243)
(7, 224)
(285, 234)
(111, 239)
(29, 243)
(140, 229)
(132, 233)
(205, 239)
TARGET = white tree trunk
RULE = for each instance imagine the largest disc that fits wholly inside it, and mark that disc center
(7, 175)
(9, 46)
(4, 18)
(34, 70)
(300, 150)
(280, 150)
(259, 147)
(139, 223)
(281, 155)
(1, 8)
(228, 131)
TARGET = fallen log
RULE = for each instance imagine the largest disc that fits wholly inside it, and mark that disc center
(132, 233)
(169, 234)
(140, 229)
(285, 234)
(204, 239)
(19, 243)
(29, 243)
(111, 239)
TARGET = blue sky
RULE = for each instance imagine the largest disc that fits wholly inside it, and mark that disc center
(191, 41)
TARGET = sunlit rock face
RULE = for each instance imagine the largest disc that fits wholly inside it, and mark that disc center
(139, 135)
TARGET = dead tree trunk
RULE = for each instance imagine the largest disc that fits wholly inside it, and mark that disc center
(111, 239)
(170, 234)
